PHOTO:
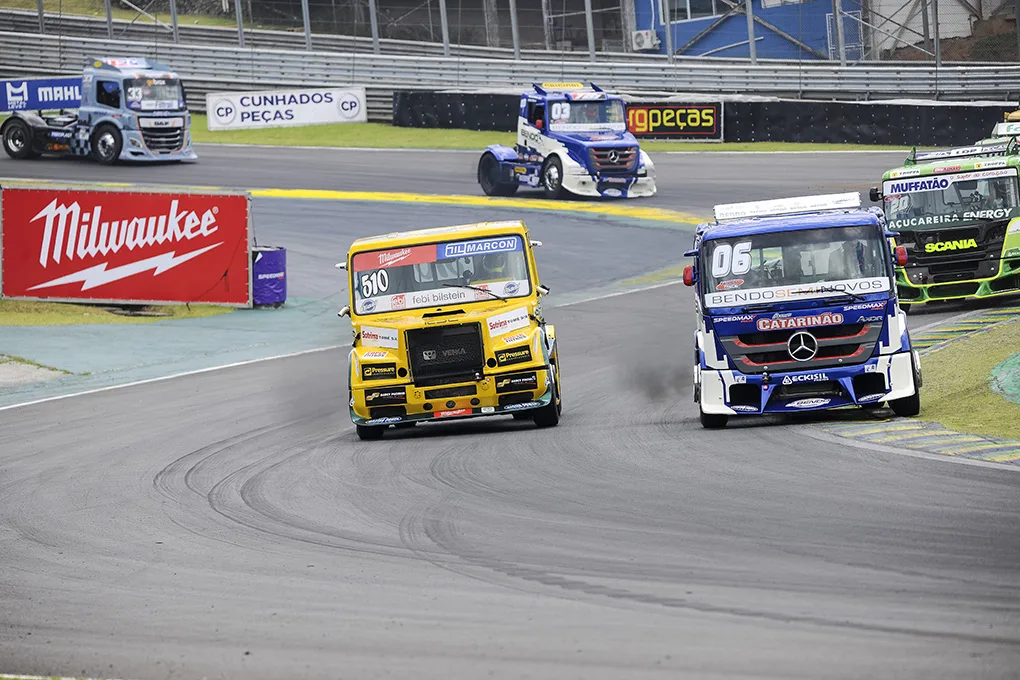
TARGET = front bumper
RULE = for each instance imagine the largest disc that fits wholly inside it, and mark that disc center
(1002, 278)
(135, 149)
(583, 184)
(884, 378)
(491, 398)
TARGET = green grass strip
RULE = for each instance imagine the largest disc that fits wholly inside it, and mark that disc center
(957, 384)
(383, 136)
(26, 313)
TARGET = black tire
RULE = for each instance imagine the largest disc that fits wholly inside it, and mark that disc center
(369, 432)
(713, 421)
(907, 406)
(17, 140)
(552, 178)
(489, 177)
(107, 143)
(549, 415)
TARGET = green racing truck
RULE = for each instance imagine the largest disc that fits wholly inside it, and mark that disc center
(957, 212)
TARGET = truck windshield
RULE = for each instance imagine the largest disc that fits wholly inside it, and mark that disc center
(152, 94)
(438, 274)
(921, 202)
(789, 266)
(590, 116)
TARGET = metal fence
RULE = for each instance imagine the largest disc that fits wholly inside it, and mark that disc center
(226, 68)
(839, 31)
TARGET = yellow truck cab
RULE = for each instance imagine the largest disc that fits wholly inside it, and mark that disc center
(448, 324)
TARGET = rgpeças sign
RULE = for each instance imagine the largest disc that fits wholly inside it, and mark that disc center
(692, 122)
(86, 244)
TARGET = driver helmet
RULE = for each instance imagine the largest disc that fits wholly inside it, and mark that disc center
(494, 264)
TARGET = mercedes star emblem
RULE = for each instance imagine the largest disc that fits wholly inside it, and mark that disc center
(802, 346)
(613, 156)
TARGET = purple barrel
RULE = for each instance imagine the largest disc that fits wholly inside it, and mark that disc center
(269, 276)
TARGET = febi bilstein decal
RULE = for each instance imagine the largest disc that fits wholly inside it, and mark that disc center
(378, 371)
(514, 355)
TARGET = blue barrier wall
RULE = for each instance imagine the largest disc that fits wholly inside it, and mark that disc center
(805, 21)
(40, 94)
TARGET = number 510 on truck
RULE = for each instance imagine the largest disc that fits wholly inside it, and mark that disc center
(797, 310)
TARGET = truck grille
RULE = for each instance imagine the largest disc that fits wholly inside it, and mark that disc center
(445, 354)
(615, 160)
(164, 140)
(947, 266)
(843, 345)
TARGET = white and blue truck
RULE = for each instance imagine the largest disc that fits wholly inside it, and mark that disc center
(797, 311)
(126, 109)
(570, 139)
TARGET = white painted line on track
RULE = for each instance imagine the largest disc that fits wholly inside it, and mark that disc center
(183, 374)
(278, 147)
(617, 294)
(6, 676)
(248, 362)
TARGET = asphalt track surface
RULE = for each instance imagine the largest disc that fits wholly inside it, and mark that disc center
(230, 524)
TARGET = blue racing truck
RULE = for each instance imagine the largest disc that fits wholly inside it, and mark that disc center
(131, 109)
(797, 310)
(569, 139)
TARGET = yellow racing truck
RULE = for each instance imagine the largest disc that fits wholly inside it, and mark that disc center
(448, 324)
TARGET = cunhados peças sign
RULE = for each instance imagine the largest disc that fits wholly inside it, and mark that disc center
(138, 246)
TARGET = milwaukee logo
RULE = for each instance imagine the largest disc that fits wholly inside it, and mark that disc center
(72, 233)
(941, 246)
(391, 258)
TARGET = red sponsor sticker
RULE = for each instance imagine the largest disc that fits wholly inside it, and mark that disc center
(130, 246)
(778, 323)
(730, 285)
(949, 168)
(398, 257)
(450, 414)
(398, 302)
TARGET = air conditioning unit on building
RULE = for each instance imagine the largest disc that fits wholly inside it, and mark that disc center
(644, 40)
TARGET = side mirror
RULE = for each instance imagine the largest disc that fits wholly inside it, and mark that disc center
(875, 195)
(344, 311)
(689, 278)
(901, 255)
(341, 265)
(536, 244)
(542, 290)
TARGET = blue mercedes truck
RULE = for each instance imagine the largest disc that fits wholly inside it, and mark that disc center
(797, 311)
(570, 140)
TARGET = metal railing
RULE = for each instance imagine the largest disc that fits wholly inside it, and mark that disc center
(233, 68)
(24, 21)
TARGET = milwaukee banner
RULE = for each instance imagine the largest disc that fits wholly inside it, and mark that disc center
(145, 246)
